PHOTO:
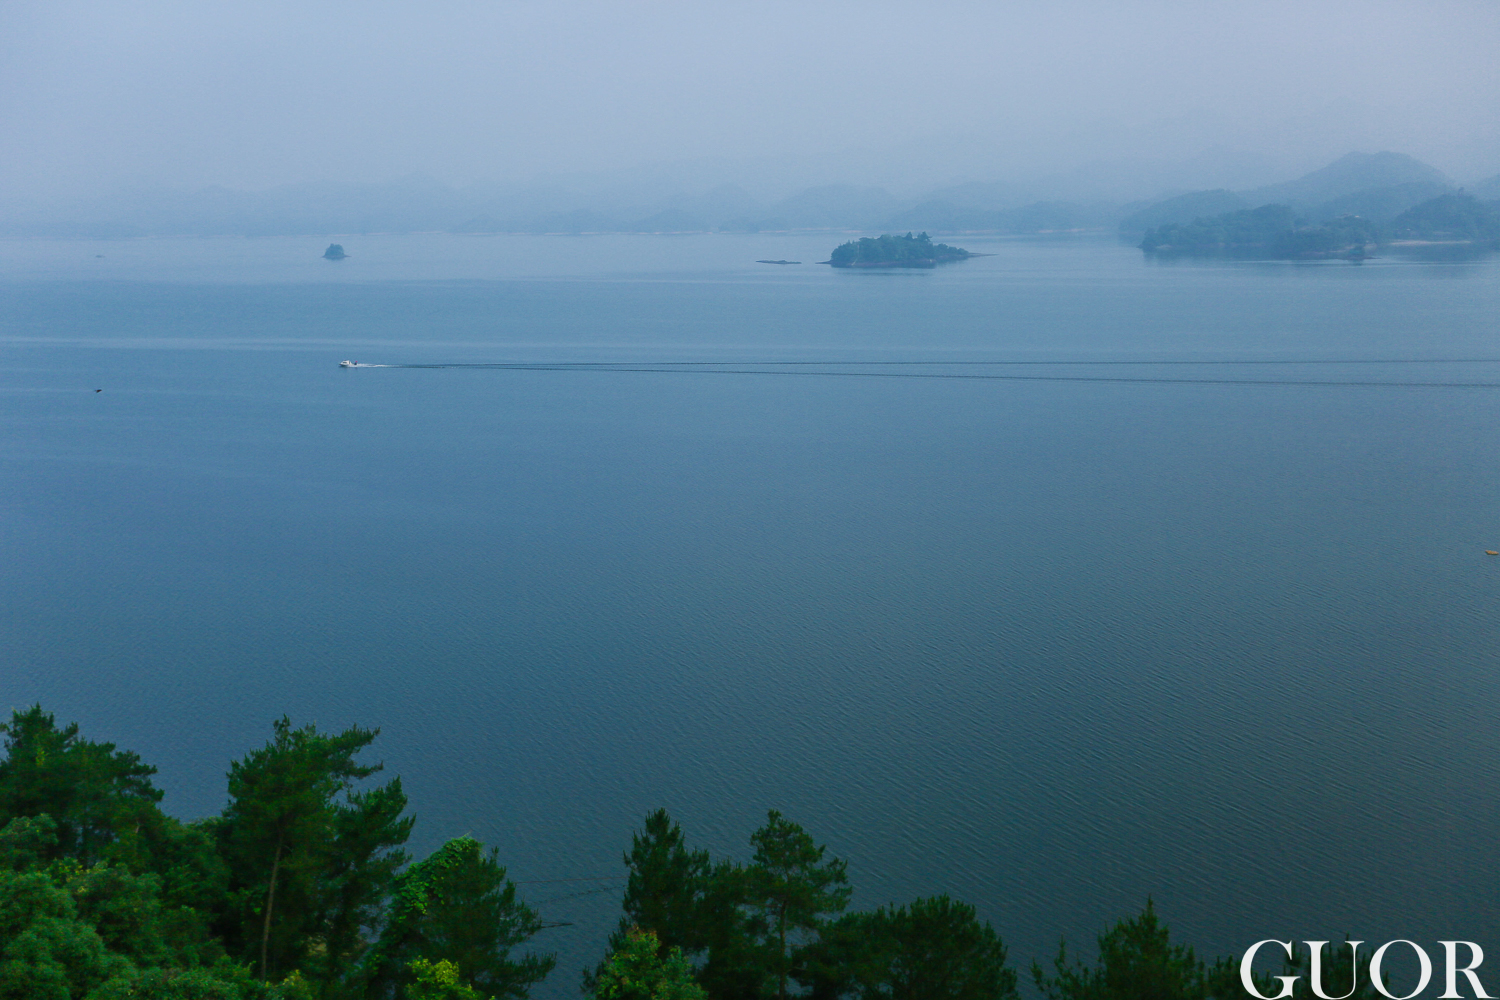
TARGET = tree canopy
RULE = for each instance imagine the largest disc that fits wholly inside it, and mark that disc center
(1137, 959)
(297, 832)
(636, 970)
(1272, 228)
(90, 790)
(457, 906)
(929, 949)
(104, 897)
(1456, 216)
(894, 251)
(301, 890)
(1276, 229)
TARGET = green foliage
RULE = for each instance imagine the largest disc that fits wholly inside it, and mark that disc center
(1344, 235)
(457, 906)
(666, 892)
(89, 789)
(27, 841)
(790, 887)
(667, 884)
(111, 899)
(1259, 227)
(184, 855)
(931, 949)
(749, 920)
(89, 812)
(638, 970)
(193, 880)
(892, 251)
(846, 956)
(224, 981)
(438, 981)
(46, 951)
(1273, 228)
(310, 859)
(739, 965)
(938, 950)
(1137, 959)
(743, 919)
(123, 909)
(362, 861)
(1450, 217)
(126, 910)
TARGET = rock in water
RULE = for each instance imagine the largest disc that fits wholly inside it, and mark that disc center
(334, 252)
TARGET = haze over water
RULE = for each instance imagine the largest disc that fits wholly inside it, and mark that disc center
(1048, 646)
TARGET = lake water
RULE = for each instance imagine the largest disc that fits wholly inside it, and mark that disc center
(1048, 646)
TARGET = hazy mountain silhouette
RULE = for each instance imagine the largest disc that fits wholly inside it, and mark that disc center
(1487, 190)
(1374, 186)
(983, 195)
(1349, 174)
(1450, 216)
(671, 220)
(1378, 186)
(1038, 217)
(835, 206)
(1182, 209)
(1380, 204)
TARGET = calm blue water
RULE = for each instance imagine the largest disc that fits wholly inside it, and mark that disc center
(1050, 647)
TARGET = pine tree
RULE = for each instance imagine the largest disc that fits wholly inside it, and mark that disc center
(789, 886)
(310, 858)
(456, 906)
(91, 790)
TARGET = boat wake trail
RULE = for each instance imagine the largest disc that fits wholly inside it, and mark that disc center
(841, 369)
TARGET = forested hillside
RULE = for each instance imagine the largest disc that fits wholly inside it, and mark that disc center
(1274, 229)
(1278, 231)
(1450, 217)
(300, 889)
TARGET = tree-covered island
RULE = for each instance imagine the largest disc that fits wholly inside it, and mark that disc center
(1274, 229)
(1277, 231)
(301, 888)
(896, 251)
(1449, 218)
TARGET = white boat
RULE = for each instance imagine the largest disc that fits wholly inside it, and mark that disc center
(348, 364)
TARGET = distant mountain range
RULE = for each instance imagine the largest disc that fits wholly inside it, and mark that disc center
(1342, 209)
(1276, 229)
(1377, 186)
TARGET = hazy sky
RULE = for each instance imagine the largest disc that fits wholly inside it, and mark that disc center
(96, 95)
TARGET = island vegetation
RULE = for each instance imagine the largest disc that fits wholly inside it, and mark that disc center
(1277, 231)
(335, 251)
(301, 889)
(895, 251)
(1274, 229)
(1449, 217)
